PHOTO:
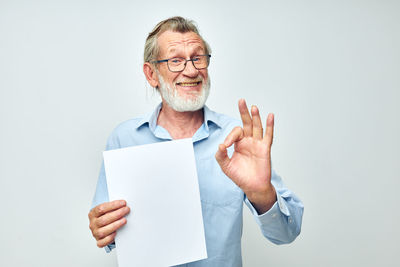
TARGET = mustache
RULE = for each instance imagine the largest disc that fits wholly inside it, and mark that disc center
(195, 80)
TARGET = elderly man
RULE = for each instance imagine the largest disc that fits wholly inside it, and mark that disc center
(176, 58)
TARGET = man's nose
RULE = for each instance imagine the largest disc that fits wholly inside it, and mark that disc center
(190, 70)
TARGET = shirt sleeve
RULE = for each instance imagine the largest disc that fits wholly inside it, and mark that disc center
(281, 224)
(101, 194)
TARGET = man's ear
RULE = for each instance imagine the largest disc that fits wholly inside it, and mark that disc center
(151, 75)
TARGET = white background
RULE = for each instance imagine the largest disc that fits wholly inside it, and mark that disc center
(70, 71)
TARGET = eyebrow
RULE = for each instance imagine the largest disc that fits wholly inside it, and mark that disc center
(197, 49)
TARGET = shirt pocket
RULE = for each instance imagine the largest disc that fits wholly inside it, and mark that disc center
(215, 187)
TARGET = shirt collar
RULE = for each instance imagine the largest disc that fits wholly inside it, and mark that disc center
(210, 117)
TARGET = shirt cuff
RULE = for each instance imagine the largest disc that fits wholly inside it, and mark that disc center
(278, 207)
(109, 247)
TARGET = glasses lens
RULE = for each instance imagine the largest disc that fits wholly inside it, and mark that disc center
(201, 62)
(176, 64)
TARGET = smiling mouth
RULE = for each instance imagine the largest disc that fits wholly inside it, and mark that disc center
(189, 83)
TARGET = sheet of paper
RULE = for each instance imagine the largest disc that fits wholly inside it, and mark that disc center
(159, 182)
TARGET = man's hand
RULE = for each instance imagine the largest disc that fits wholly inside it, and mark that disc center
(105, 219)
(250, 165)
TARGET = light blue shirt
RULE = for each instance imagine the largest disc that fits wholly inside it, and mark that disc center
(221, 199)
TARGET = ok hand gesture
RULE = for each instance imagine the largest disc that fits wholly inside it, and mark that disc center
(250, 165)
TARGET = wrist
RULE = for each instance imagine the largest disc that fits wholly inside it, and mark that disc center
(263, 200)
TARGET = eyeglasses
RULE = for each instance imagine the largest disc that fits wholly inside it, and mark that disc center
(178, 64)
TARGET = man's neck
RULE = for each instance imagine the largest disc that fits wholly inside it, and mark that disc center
(180, 124)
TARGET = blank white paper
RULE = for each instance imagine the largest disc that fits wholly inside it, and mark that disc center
(159, 182)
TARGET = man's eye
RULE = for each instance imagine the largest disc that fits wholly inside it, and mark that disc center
(196, 58)
(176, 60)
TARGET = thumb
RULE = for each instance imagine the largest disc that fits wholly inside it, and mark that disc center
(222, 157)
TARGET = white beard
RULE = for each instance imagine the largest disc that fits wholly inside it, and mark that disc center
(192, 102)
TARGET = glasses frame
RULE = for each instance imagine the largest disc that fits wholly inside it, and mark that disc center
(186, 61)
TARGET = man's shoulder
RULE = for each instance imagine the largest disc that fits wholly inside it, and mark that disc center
(137, 122)
(126, 133)
(128, 126)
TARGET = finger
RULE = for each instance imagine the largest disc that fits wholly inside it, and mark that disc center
(257, 125)
(222, 157)
(107, 240)
(235, 135)
(269, 132)
(246, 119)
(104, 231)
(106, 207)
(112, 216)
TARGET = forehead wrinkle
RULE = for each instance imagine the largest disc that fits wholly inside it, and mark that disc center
(184, 43)
(174, 45)
(185, 40)
(173, 49)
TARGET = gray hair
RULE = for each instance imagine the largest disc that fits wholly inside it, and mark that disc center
(176, 24)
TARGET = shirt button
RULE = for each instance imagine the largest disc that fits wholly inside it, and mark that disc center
(290, 220)
(274, 215)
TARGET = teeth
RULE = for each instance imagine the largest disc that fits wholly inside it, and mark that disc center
(188, 84)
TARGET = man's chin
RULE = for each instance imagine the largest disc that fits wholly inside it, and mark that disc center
(192, 99)
(192, 96)
(186, 105)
